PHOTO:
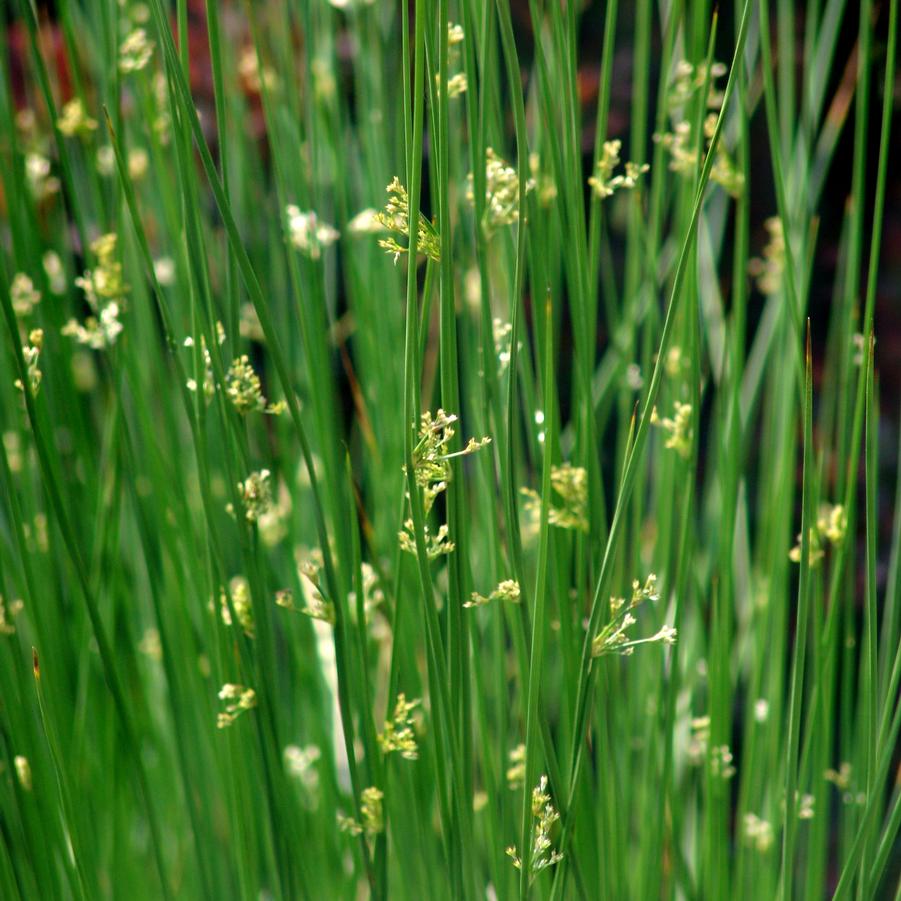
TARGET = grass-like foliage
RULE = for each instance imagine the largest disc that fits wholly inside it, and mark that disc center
(417, 481)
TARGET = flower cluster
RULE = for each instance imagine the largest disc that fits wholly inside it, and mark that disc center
(138, 162)
(256, 494)
(238, 698)
(501, 192)
(431, 456)
(571, 484)
(675, 361)
(32, 352)
(805, 806)
(301, 764)
(832, 522)
(516, 772)
(604, 183)
(242, 385)
(544, 184)
(831, 526)
(96, 333)
(307, 233)
(684, 156)
(721, 762)
(842, 780)
(162, 123)
(508, 590)
(37, 174)
(436, 544)
(398, 734)
(689, 78)
(209, 382)
(545, 815)
(74, 120)
(135, 51)
(699, 740)
(724, 171)
(678, 428)
(249, 326)
(254, 76)
(284, 597)
(858, 342)
(53, 269)
(366, 222)
(768, 270)
(6, 625)
(272, 524)
(432, 472)
(370, 812)
(239, 594)
(23, 294)
(35, 533)
(457, 83)
(395, 219)
(316, 606)
(502, 333)
(719, 757)
(150, 644)
(373, 595)
(758, 832)
(104, 290)
(614, 637)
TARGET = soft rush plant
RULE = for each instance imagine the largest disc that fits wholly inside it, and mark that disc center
(628, 341)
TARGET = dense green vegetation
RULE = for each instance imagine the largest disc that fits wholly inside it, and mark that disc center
(501, 533)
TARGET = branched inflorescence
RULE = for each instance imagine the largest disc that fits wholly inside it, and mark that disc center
(679, 143)
(398, 735)
(104, 289)
(570, 483)
(614, 637)
(501, 192)
(604, 183)
(432, 471)
(396, 221)
(544, 815)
